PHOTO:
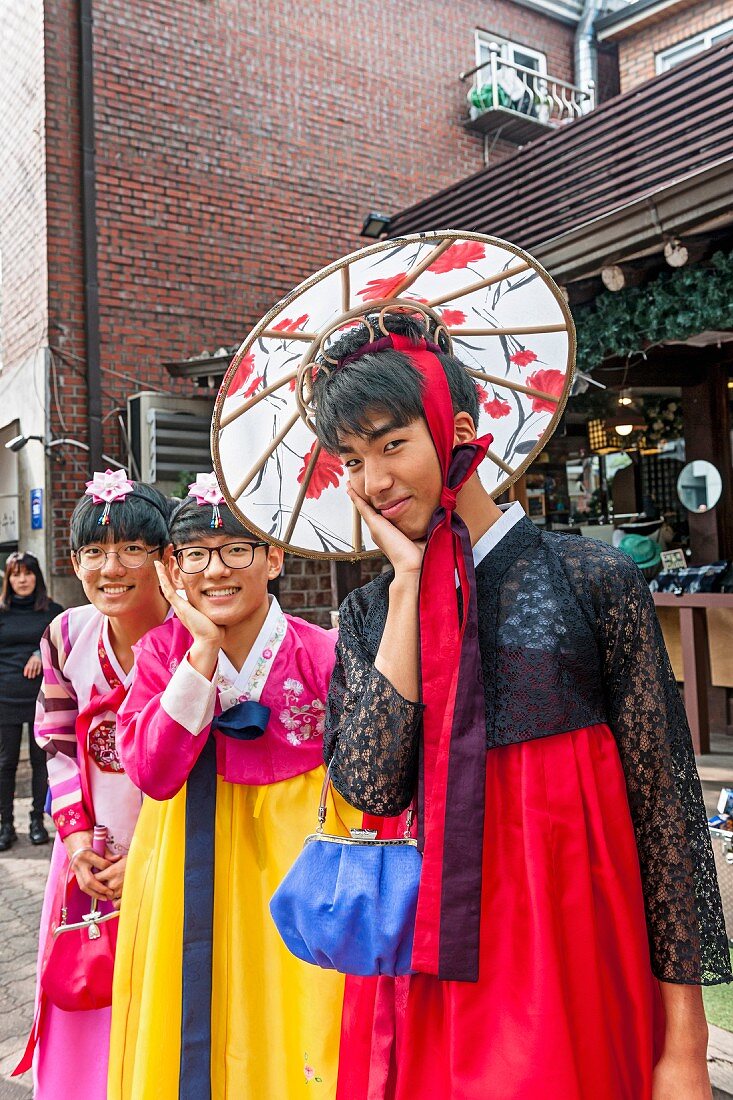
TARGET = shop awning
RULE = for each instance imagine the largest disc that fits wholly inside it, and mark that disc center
(652, 162)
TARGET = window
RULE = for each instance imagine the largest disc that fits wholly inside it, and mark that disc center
(512, 52)
(667, 59)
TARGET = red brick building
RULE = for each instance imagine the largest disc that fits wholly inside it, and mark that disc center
(235, 148)
(652, 36)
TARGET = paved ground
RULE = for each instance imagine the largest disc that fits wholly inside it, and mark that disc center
(23, 872)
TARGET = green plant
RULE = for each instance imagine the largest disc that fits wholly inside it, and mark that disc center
(676, 305)
(185, 478)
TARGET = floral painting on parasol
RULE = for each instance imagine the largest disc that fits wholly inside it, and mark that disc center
(494, 306)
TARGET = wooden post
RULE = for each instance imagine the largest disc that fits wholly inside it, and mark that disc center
(707, 436)
(696, 670)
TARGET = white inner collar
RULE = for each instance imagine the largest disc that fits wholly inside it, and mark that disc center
(241, 678)
(510, 515)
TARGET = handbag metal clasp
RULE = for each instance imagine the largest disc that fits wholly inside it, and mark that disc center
(91, 919)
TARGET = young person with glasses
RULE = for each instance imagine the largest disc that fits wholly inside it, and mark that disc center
(119, 529)
(223, 730)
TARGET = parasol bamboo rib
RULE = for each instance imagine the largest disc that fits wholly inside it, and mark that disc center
(531, 331)
(455, 294)
(302, 492)
(499, 462)
(232, 416)
(429, 260)
(275, 443)
(356, 536)
(282, 334)
(505, 383)
(345, 288)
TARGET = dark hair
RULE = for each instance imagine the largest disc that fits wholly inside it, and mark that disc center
(191, 520)
(381, 381)
(143, 514)
(14, 564)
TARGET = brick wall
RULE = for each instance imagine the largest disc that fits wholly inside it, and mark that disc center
(22, 187)
(637, 49)
(239, 146)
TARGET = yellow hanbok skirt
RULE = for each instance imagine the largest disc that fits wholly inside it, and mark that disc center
(275, 1021)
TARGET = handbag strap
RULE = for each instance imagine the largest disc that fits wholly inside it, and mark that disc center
(322, 806)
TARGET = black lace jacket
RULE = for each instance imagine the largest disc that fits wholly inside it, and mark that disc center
(569, 637)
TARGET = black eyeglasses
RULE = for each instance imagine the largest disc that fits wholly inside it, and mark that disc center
(234, 555)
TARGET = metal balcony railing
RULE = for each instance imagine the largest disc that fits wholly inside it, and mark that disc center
(520, 104)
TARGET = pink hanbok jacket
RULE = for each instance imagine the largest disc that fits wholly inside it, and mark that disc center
(166, 717)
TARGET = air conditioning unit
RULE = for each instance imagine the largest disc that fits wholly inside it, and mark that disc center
(168, 436)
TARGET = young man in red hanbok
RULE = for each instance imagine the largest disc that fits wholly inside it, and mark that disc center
(569, 911)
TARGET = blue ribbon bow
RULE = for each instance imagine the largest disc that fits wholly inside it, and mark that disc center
(244, 721)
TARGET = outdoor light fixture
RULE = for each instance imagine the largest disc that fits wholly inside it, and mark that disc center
(613, 278)
(18, 442)
(375, 225)
(625, 422)
(675, 253)
(628, 418)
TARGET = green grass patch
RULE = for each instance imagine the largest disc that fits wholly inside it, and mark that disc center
(719, 1004)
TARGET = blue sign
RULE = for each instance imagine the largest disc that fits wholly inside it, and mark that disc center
(36, 509)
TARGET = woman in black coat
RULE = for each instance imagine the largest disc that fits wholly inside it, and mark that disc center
(25, 612)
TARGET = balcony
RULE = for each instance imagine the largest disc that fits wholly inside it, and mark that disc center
(520, 104)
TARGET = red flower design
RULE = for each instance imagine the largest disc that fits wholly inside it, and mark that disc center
(327, 471)
(458, 255)
(381, 288)
(451, 317)
(495, 407)
(253, 386)
(523, 358)
(286, 325)
(242, 373)
(550, 381)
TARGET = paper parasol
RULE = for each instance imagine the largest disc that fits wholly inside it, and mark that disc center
(508, 323)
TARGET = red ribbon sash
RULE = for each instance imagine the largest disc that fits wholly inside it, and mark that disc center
(453, 769)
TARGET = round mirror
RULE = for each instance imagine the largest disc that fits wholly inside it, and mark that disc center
(699, 486)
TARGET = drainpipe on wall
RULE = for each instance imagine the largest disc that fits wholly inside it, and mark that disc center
(89, 230)
(585, 53)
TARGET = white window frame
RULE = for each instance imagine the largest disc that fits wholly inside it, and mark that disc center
(675, 55)
(484, 38)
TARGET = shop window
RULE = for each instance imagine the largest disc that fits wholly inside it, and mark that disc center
(667, 59)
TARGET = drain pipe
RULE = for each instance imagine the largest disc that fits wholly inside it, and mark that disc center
(89, 228)
(585, 53)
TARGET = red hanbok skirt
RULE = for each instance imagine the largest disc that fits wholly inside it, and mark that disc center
(566, 1006)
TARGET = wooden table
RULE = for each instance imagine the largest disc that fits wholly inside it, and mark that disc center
(695, 656)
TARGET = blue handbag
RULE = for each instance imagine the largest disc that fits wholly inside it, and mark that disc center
(348, 902)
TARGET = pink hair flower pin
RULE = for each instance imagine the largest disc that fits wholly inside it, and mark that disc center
(206, 491)
(105, 488)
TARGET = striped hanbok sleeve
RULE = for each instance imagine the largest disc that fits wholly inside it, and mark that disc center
(56, 713)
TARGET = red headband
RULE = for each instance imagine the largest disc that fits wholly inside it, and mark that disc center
(452, 781)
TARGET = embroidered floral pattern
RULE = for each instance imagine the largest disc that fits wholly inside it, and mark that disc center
(68, 817)
(309, 1073)
(305, 722)
(102, 747)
